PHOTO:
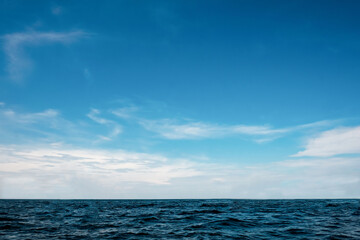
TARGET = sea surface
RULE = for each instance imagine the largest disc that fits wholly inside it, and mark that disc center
(179, 219)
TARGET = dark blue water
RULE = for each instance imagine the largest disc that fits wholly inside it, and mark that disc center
(179, 219)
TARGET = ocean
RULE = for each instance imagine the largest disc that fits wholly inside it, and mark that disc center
(180, 219)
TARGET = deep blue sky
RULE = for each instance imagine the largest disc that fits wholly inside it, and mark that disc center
(223, 82)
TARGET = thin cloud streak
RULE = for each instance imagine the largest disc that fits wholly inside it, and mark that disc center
(169, 129)
(178, 129)
(172, 129)
(28, 118)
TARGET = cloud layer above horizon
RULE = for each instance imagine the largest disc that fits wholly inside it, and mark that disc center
(52, 161)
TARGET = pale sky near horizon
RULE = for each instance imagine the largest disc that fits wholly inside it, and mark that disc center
(179, 99)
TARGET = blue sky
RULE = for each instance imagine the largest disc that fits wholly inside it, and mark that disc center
(174, 99)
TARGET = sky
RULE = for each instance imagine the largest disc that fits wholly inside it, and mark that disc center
(179, 99)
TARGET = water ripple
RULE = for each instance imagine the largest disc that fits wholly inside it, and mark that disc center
(179, 219)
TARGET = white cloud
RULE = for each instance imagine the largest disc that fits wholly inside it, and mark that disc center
(2, 104)
(110, 168)
(59, 171)
(344, 140)
(18, 64)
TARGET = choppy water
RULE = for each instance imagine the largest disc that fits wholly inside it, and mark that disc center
(179, 219)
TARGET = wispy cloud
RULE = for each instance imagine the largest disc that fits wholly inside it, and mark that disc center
(256, 130)
(344, 140)
(171, 130)
(116, 128)
(56, 10)
(87, 74)
(182, 128)
(94, 115)
(17, 126)
(125, 112)
(174, 129)
(18, 64)
(30, 117)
